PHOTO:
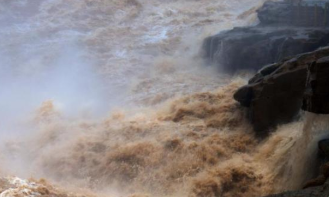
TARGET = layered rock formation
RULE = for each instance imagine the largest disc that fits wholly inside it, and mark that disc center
(279, 35)
(254, 47)
(275, 94)
(290, 46)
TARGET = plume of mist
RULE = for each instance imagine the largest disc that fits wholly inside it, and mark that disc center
(68, 79)
(58, 81)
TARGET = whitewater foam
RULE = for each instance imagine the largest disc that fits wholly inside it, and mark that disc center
(130, 109)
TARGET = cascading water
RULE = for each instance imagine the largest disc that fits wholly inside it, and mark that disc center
(112, 97)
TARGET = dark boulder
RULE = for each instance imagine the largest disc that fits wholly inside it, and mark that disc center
(254, 47)
(275, 94)
(316, 97)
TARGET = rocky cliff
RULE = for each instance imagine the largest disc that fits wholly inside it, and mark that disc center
(254, 47)
(290, 49)
(286, 50)
(279, 35)
(275, 94)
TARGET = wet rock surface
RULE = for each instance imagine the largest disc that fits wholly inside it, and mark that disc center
(316, 96)
(290, 49)
(254, 47)
(275, 94)
(281, 33)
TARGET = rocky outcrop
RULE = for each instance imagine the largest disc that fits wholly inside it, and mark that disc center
(275, 94)
(285, 30)
(254, 47)
(298, 80)
(316, 97)
(278, 91)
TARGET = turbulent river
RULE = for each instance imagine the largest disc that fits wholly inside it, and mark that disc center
(113, 97)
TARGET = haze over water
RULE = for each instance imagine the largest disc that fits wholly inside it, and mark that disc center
(113, 96)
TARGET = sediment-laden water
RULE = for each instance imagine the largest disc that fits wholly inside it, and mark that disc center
(112, 97)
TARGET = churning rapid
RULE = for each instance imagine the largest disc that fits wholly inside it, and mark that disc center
(112, 98)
